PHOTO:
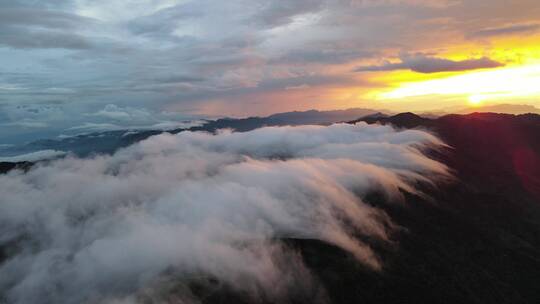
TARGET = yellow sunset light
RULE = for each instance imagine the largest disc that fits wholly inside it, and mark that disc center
(511, 82)
(476, 100)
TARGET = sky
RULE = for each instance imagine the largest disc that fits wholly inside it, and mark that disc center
(87, 65)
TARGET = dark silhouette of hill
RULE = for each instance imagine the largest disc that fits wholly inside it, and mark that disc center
(319, 117)
(402, 120)
(311, 117)
(8, 166)
(502, 108)
(488, 147)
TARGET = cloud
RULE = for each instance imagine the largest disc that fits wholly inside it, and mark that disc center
(298, 87)
(40, 17)
(425, 64)
(41, 29)
(323, 54)
(34, 156)
(280, 13)
(90, 127)
(96, 127)
(114, 112)
(42, 39)
(130, 118)
(165, 21)
(25, 123)
(175, 207)
(514, 29)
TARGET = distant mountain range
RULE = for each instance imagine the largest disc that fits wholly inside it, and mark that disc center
(498, 108)
(503, 108)
(107, 142)
(110, 141)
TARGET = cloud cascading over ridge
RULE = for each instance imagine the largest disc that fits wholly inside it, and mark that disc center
(115, 228)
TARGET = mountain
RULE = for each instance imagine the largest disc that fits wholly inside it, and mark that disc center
(488, 146)
(109, 141)
(312, 117)
(402, 120)
(8, 166)
(84, 144)
(515, 109)
(320, 117)
(476, 240)
(502, 108)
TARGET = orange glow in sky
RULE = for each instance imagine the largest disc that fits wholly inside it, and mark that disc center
(516, 82)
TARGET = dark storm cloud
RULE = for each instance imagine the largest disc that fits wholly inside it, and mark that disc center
(426, 64)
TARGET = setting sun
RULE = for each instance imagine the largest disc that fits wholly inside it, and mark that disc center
(476, 100)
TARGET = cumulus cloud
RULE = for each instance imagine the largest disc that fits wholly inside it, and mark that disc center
(175, 207)
(426, 64)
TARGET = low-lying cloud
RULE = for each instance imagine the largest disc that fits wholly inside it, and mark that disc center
(33, 156)
(176, 207)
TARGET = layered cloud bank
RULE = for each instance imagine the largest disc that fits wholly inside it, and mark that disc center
(34, 156)
(178, 207)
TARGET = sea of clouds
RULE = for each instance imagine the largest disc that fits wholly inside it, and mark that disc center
(173, 208)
